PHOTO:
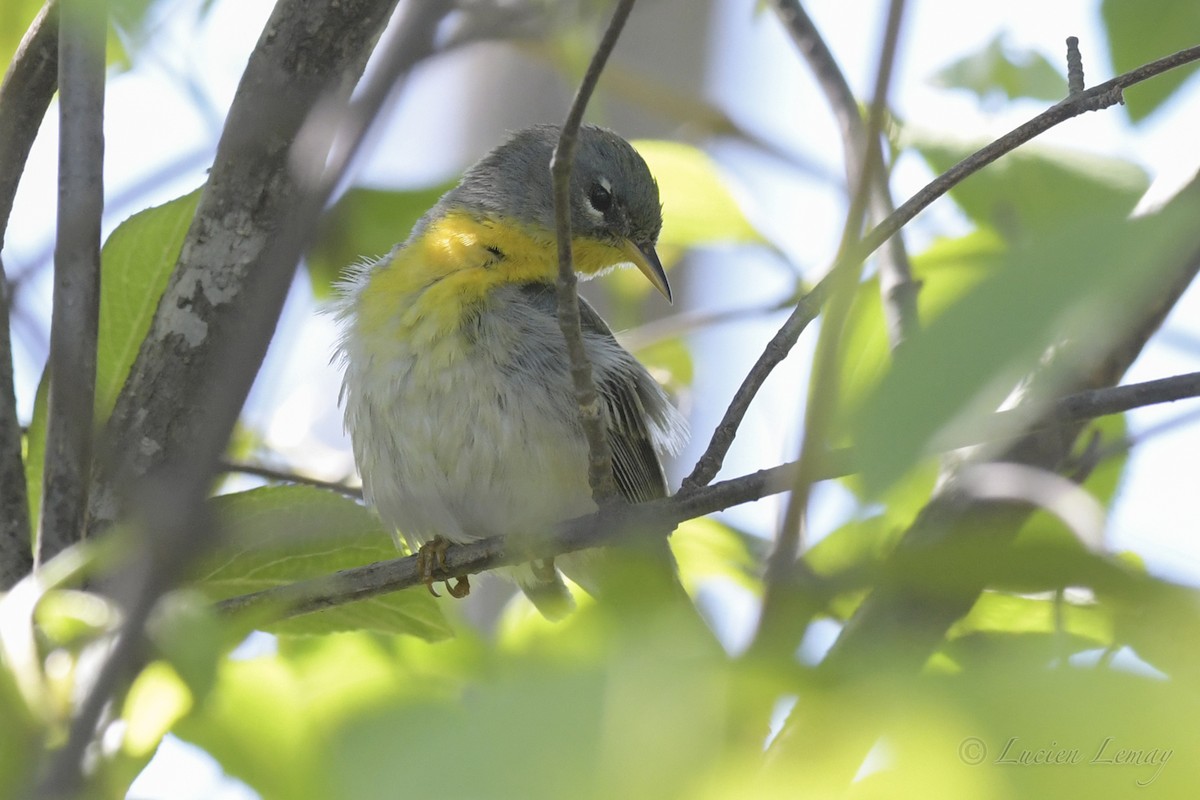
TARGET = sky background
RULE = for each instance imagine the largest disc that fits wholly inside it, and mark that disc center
(164, 117)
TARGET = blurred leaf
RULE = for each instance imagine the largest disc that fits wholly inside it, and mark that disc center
(706, 548)
(136, 263)
(947, 269)
(283, 534)
(35, 451)
(156, 701)
(698, 206)
(1139, 33)
(670, 361)
(1000, 612)
(188, 632)
(1082, 284)
(68, 616)
(270, 720)
(22, 744)
(364, 225)
(857, 548)
(1035, 190)
(15, 18)
(641, 721)
(1001, 70)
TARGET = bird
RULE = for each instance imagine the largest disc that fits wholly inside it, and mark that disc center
(456, 388)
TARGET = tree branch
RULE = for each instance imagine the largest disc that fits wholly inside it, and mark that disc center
(908, 622)
(25, 95)
(709, 464)
(600, 473)
(659, 517)
(825, 382)
(1098, 97)
(287, 476)
(76, 313)
(216, 317)
(896, 284)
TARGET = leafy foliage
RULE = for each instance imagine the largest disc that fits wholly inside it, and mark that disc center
(1073, 674)
(1000, 72)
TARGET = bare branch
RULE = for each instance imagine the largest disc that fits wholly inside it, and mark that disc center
(600, 473)
(1098, 97)
(76, 314)
(825, 383)
(896, 284)
(286, 476)
(24, 97)
(709, 464)
(1075, 83)
(1088, 100)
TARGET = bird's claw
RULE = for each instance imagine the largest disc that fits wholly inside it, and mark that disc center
(431, 556)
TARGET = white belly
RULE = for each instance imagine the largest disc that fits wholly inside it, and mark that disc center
(450, 445)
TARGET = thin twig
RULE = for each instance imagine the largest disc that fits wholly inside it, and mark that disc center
(1098, 97)
(709, 464)
(76, 312)
(25, 95)
(290, 477)
(826, 372)
(1075, 83)
(600, 473)
(896, 284)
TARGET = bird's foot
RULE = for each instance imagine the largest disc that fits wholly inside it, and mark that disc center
(432, 556)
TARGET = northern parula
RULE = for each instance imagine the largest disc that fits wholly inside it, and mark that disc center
(457, 391)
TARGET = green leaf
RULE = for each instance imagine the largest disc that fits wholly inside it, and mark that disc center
(1081, 285)
(946, 271)
(35, 451)
(15, 19)
(706, 548)
(22, 741)
(1033, 191)
(670, 361)
(698, 205)
(282, 534)
(269, 720)
(365, 224)
(1139, 32)
(136, 264)
(999, 612)
(1001, 70)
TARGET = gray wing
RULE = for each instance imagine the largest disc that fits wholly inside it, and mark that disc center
(634, 405)
(630, 397)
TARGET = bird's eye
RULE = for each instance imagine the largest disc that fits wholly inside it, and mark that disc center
(600, 197)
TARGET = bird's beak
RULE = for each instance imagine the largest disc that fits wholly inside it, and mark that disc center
(646, 260)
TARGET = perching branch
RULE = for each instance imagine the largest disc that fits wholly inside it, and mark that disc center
(658, 517)
(76, 313)
(24, 97)
(600, 473)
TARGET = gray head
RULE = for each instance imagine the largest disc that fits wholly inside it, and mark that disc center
(614, 198)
